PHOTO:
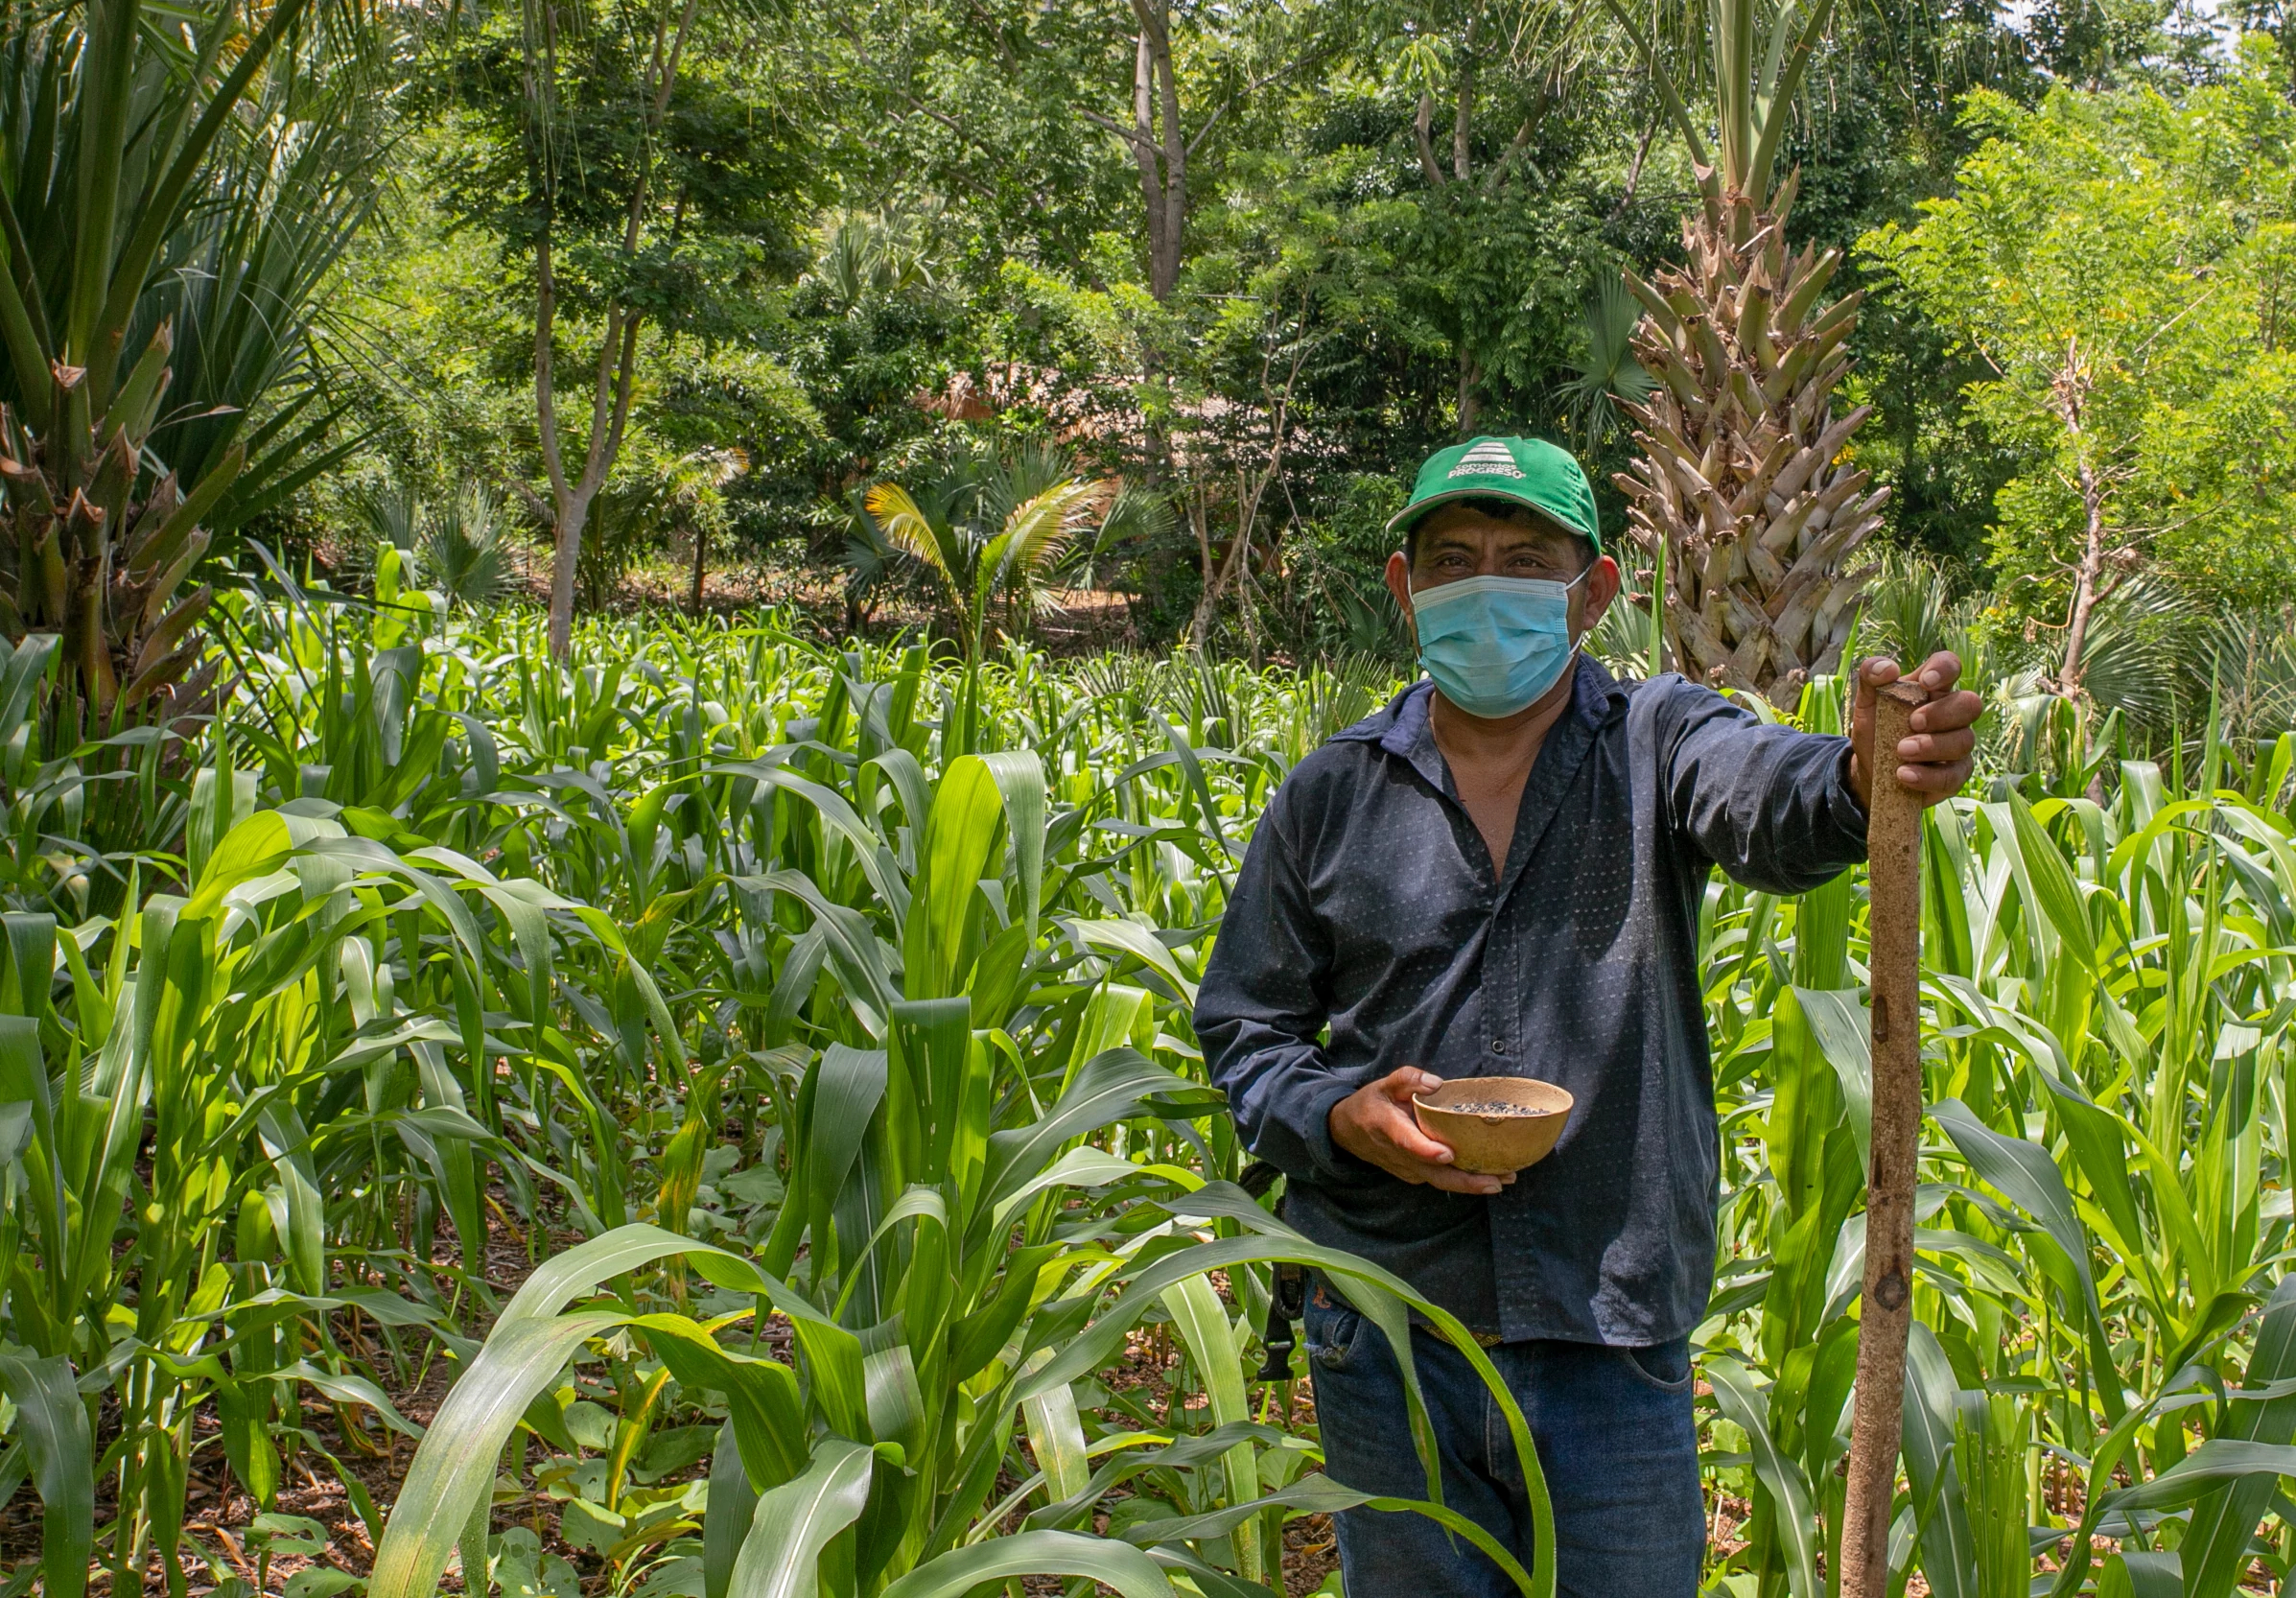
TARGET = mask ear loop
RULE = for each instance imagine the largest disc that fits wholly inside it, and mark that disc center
(1573, 583)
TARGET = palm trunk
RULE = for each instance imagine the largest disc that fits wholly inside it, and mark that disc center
(1742, 484)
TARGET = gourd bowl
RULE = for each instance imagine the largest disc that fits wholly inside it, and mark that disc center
(1494, 1124)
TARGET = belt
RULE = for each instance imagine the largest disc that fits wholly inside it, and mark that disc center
(1482, 1339)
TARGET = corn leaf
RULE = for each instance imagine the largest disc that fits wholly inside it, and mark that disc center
(791, 1524)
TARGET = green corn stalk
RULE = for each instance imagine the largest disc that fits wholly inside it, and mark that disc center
(1989, 1458)
(466, 941)
(2106, 1116)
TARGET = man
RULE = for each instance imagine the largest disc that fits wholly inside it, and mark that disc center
(1500, 874)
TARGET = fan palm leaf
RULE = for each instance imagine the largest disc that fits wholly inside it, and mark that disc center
(1607, 370)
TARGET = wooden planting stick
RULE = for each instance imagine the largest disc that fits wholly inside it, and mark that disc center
(1893, 852)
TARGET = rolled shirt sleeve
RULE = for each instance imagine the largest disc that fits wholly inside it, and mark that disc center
(1772, 807)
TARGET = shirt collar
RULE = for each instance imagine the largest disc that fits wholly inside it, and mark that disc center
(1404, 728)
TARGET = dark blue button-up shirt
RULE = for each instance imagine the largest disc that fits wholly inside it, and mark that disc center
(1368, 931)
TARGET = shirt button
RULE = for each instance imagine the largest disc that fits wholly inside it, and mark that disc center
(1498, 1048)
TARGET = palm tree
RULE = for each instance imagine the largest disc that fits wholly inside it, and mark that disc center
(169, 203)
(1743, 492)
(992, 530)
(465, 549)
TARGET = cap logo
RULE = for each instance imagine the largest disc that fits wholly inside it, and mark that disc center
(1487, 459)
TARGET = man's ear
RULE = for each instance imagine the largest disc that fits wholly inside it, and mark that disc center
(1398, 576)
(1600, 589)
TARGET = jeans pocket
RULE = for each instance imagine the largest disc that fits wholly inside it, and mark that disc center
(1663, 1367)
(1332, 1331)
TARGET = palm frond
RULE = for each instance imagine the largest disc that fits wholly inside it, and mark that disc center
(1621, 639)
(1136, 514)
(1039, 529)
(1910, 610)
(2129, 663)
(388, 512)
(2251, 666)
(464, 552)
(905, 527)
(1014, 479)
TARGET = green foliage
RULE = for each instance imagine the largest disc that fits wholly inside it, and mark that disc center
(201, 178)
(835, 1003)
(832, 989)
(829, 984)
(2090, 1256)
(730, 160)
(2117, 261)
(989, 529)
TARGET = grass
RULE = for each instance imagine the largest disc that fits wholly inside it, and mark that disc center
(816, 1021)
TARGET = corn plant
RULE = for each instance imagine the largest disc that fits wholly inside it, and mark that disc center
(2106, 1058)
(835, 1003)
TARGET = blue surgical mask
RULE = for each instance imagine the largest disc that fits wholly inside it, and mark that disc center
(1493, 644)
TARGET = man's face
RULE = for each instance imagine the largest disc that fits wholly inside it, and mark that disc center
(1458, 541)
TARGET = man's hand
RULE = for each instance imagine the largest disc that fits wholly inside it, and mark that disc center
(1935, 761)
(1375, 1123)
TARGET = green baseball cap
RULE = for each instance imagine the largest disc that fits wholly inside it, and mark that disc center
(1529, 471)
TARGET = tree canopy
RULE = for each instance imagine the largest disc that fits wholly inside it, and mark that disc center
(1261, 259)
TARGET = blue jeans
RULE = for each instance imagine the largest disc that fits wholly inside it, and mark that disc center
(1615, 1435)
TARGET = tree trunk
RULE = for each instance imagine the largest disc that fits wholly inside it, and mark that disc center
(2072, 393)
(2087, 577)
(611, 388)
(1142, 139)
(615, 376)
(566, 550)
(701, 558)
(1162, 152)
(1461, 171)
(1422, 128)
(1162, 163)
(1463, 117)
